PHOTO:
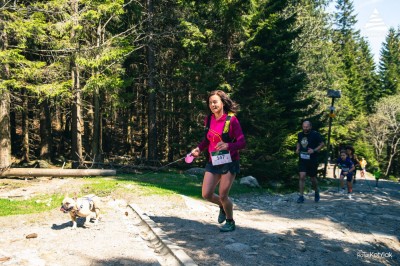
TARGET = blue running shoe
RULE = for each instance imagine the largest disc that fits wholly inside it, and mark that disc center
(300, 199)
(316, 196)
(228, 226)
(221, 215)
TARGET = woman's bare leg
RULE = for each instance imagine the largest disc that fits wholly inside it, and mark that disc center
(225, 185)
(210, 182)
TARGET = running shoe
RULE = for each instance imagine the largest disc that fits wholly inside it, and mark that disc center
(342, 191)
(228, 226)
(300, 199)
(316, 196)
(221, 215)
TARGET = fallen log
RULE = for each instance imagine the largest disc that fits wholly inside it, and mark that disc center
(56, 172)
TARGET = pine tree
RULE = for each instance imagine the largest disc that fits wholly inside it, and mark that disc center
(359, 80)
(270, 87)
(389, 68)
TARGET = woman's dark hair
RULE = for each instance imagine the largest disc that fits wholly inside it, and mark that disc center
(229, 105)
(350, 148)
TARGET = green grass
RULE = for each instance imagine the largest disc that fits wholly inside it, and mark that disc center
(34, 205)
(162, 183)
(121, 186)
(128, 185)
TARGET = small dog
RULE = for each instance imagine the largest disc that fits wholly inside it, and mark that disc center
(84, 207)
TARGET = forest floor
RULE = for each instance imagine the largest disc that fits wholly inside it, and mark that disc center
(271, 229)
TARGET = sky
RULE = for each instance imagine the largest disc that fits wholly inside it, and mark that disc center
(375, 17)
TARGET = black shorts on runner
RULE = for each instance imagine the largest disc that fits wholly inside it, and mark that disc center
(222, 169)
(349, 176)
(308, 166)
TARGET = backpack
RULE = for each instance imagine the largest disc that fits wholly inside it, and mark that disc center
(225, 133)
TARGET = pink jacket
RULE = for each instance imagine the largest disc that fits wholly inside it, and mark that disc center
(214, 135)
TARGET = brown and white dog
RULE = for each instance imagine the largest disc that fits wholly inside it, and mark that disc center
(85, 207)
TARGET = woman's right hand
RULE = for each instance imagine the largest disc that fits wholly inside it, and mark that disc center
(195, 152)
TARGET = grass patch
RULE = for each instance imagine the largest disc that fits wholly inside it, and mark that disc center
(176, 183)
(161, 183)
(122, 186)
(34, 205)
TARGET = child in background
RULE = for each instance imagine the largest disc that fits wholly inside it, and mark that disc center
(350, 153)
(348, 168)
(363, 164)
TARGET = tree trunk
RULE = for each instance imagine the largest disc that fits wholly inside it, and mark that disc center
(25, 127)
(14, 136)
(96, 142)
(46, 141)
(76, 123)
(152, 104)
(56, 172)
(5, 136)
(88, 129)
(96, 148)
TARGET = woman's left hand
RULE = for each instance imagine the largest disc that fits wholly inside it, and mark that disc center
(222, 146)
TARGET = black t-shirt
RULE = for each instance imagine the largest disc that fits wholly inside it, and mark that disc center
(310, 140)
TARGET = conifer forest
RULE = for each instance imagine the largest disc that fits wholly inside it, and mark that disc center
(96, 80)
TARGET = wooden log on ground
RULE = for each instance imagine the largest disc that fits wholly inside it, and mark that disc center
(56, 172)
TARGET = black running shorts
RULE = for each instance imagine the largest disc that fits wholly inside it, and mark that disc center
(308, 166)
(222, 169)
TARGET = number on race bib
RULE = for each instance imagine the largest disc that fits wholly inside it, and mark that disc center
(305, 156)
(220, 157)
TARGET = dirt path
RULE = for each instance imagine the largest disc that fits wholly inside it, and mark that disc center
(275, 230)
(271, 230)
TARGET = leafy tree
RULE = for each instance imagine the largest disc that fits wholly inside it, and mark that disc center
(384, 129)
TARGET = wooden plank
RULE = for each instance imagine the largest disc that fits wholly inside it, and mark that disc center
(56, 172)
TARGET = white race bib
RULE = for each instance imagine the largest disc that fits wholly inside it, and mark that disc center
(220, 157)
(304, 155)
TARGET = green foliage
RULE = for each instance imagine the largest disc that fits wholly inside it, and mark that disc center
(389, 68)
(276, 58)
(384, 128)
(270, 85)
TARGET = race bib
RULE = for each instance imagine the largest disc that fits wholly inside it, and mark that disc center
(304, 155)
(220, 157)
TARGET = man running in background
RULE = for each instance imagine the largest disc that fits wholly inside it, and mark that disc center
(309, 142)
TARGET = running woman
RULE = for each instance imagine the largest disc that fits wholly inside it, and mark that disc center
(223, 150)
